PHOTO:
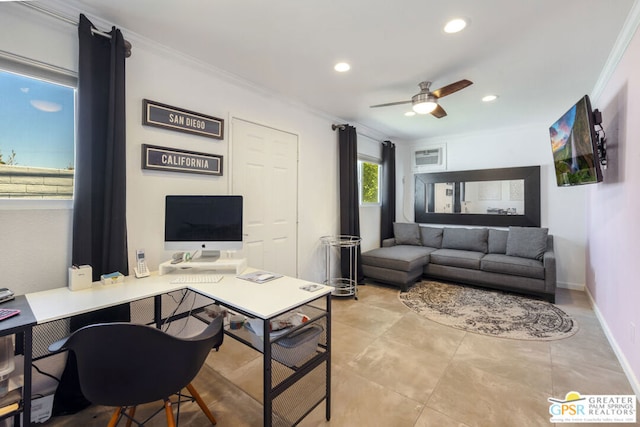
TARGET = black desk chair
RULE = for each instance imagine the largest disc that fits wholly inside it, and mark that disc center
(127, 364)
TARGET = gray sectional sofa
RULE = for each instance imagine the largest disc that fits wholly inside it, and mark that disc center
(520, 259)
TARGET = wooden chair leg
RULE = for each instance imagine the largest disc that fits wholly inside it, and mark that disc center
(169, 411)
(201, 403)
(114, 418)
(132, 412)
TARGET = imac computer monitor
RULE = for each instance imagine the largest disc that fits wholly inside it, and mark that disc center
(206, 223)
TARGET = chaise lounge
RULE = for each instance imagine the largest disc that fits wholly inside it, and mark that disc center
(520, 259)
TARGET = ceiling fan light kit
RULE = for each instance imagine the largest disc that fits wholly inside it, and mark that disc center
(426, 101)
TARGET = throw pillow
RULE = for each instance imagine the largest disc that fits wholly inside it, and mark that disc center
(431, 236)
(498, 241)
(406, 233)
(527, 242)
(467, 239)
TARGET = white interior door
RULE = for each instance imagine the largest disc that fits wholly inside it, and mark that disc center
(265, 172)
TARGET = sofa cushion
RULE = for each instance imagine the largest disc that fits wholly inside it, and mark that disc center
(470, 239)
(396, 277)
(506, 264)
(456, 258)
(527, 242)
(431, 236)
(406, 233)
(400, 257)
(497, 241)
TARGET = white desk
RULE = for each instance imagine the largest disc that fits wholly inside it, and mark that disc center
(60, 303)
(264, 301)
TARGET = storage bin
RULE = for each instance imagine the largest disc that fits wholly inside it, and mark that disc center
(292, 350)
(7, 364)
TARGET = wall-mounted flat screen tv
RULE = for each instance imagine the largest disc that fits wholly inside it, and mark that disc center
(574, 146)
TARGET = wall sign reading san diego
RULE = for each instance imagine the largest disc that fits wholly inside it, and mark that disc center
(172, 160)
(181, 120)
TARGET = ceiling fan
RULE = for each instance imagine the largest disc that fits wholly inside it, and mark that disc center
(426, 101)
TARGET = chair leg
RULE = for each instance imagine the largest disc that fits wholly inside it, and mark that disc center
(201, 403)
(169, 411)
(132, 412)
(114, 417)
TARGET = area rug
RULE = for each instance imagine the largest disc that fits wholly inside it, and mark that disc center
(489, 312)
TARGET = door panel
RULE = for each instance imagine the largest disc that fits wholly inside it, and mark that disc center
(265, 162)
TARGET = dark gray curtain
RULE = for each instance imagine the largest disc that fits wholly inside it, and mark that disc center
(388, 190)
(99, 211)
(349, 200)
(99, 220)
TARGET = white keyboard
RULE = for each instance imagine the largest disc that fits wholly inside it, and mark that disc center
(196, 278)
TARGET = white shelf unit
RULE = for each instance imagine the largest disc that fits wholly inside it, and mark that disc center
(221, 265)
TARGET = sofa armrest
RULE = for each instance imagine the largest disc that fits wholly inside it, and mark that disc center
(549, 262)
(389, 242)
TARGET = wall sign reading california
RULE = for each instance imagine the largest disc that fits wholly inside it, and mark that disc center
(172, 160)
(181, 120)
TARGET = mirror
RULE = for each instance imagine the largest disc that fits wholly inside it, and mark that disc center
(477, 197)
(492, 197)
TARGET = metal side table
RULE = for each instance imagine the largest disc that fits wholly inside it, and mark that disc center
(337, 247)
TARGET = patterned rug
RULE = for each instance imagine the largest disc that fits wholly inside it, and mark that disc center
(489, 312)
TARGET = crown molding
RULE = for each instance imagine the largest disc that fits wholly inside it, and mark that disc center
(620, 46)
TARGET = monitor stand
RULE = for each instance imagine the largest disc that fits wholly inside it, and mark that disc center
(221, 265)
(207, 256)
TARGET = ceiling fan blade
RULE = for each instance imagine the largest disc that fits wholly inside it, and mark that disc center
(439, 112)
(390, 103)
(453, 87)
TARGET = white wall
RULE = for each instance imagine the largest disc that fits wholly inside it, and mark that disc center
(612, 215)
(562, 209)
(164, 76)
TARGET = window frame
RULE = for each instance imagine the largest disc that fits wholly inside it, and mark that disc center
(56, 75)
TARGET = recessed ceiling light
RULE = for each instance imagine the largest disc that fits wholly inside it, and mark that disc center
(341, 67)
(489, 98)
(410, 113)
(455, 25)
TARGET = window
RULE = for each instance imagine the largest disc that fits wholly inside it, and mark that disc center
(37, 138)
(369, 177)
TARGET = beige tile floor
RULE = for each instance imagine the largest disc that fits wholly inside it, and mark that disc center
(391, 367)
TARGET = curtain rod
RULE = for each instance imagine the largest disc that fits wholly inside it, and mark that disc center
(342, 126)
(73, 22)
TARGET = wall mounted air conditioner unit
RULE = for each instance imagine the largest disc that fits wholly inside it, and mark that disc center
(428, 158)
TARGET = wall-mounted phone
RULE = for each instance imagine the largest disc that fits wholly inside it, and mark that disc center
(141, 268)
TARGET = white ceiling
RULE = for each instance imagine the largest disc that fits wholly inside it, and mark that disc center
(538, 56)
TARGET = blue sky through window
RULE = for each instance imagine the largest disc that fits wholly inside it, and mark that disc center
(36, 121)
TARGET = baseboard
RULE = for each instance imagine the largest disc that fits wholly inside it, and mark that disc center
(635, 385)
(572, 286)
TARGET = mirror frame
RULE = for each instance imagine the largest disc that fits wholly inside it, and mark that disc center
(531, 217)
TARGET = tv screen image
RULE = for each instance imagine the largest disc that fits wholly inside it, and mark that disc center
(206, 223)
(574, 146)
